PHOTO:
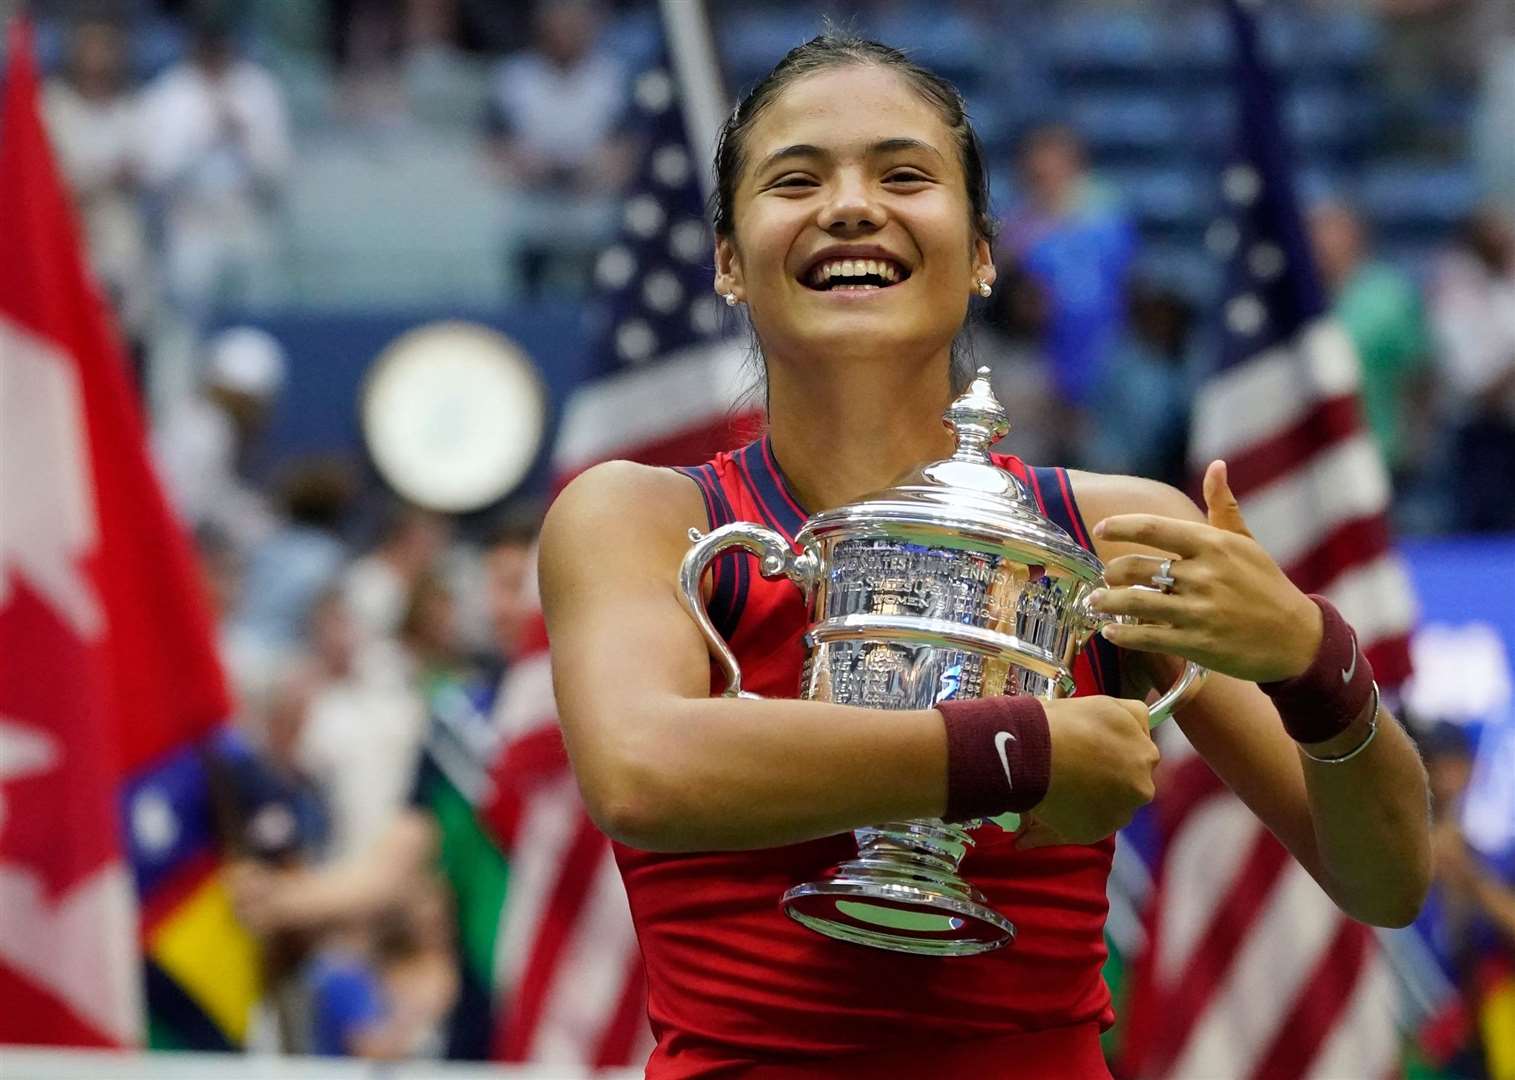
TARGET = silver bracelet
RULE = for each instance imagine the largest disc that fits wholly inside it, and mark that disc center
(1343, 758)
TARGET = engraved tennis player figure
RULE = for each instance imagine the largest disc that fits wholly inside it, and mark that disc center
(853, 227)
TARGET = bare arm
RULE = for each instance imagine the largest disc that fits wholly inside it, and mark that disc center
(270, 900)
(665, 767)
(1361, 828)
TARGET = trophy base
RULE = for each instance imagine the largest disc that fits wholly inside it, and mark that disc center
(870, 905)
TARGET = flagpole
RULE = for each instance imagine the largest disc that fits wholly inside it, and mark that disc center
(691, 47)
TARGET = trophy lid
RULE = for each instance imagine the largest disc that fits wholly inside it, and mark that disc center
(965, 497)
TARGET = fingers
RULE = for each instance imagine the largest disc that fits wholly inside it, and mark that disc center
(1144, 637)
(1145, 604)
(1136, 569)
(1137, 709)
(1220, 504)
(1185, 538)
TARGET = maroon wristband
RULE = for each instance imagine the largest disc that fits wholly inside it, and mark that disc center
(999, 755)
(1322, 702)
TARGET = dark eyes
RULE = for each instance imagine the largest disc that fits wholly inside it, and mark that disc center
(898, 176)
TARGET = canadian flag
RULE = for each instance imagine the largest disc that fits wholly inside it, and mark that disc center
(106, 651)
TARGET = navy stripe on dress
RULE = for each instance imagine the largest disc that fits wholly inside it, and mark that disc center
(739, 561)
(770, 488)
(1105, 652)
(1055, 496)
(725, 585)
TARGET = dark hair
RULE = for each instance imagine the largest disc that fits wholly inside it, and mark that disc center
(319, 490)
(838, 48)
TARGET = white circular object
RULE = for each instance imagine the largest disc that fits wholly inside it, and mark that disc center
(453, 414)
(155, 826)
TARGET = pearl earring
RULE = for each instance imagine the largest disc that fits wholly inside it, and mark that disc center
(730, 299)
(984, 288)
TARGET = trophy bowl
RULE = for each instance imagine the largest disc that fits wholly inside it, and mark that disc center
(950, 585)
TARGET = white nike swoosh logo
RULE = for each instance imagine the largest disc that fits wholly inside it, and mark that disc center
(1346, 676)
(999, 744)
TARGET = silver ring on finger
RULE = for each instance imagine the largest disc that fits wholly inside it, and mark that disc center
(1163, 579)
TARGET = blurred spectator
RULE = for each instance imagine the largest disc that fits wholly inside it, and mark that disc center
(1468, 921)
(91, 117)
(1138, 418)
(1381, 312)
(382, 992)
(378, 585)
(1010, 343)
(299, 828)
(467, 738)
(363, 729)
(1493, 149)
(202, 443)
(288, 571)
(220, 573)
(511, 578)
(215, 151)
(1474, 316)
(429, 635)
(553, 129)
(1072, 236)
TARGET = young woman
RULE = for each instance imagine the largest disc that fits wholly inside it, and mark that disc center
(852, 221)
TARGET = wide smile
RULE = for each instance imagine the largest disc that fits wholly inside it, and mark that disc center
(855, 277)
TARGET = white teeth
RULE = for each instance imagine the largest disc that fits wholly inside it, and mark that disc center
(843, 268)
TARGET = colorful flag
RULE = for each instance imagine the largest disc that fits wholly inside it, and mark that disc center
(665, 391)
(452, 786)
(109, 674)
(1247, 969)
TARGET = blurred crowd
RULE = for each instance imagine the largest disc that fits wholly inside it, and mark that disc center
(359, 631)
(357, 669)
(183, 179)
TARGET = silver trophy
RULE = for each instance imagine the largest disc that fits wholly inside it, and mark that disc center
(950, 585)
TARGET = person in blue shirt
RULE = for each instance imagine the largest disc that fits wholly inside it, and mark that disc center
(1070, 233)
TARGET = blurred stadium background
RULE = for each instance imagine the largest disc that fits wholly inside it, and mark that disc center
(378, 269)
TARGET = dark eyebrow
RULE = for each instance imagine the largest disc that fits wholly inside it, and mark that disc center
(891, 146)
(798, 150)
(885, 146)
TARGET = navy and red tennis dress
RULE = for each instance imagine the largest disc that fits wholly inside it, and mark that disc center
(737, 989)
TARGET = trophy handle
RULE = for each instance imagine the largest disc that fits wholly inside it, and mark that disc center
(777, 559)
(1180, 692)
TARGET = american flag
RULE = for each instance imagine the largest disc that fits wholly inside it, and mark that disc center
(1248, 969)
(663, 392)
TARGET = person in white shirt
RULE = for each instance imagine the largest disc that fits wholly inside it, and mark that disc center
(214, 146)
(90, 114)
(199, 443)
(378, 585)
(1473, 312)
(553, 133)
(363, 731)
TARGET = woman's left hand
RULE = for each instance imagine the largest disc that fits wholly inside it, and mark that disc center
(1230, 609)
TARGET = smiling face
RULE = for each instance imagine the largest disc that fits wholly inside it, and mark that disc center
(852, 231)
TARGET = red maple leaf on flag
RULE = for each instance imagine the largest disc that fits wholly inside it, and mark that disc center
(108, 652)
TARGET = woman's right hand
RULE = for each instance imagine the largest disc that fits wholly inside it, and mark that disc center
(1103, 758)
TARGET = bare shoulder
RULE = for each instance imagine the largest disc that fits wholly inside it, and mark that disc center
(620, 504)
(618, 489)
(1103, 495)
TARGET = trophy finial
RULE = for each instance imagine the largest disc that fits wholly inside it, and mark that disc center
(977, 419)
